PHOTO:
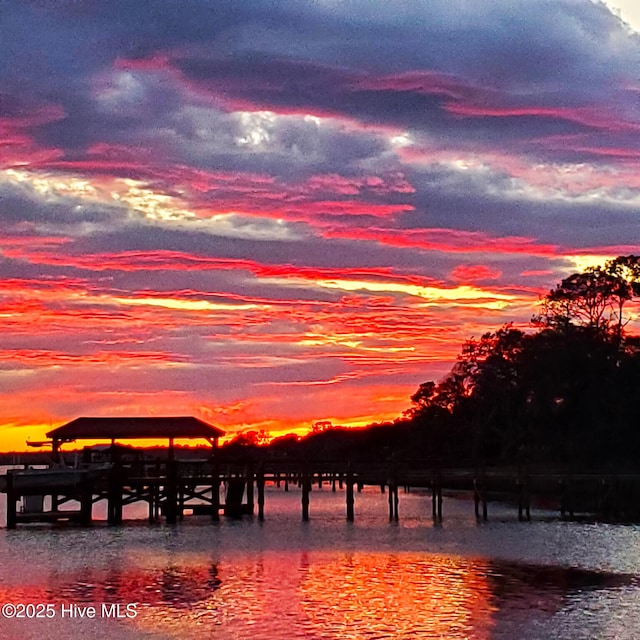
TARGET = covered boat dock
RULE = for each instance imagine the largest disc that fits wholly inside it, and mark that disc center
(126, 476)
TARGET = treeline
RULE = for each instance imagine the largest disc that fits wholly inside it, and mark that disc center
(566, 392)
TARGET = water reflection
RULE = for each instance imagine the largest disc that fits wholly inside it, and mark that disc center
(532, 601)
(400, 596)
(330, 596)
(325, 580)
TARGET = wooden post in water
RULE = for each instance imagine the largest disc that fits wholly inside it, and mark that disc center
(57, 457)
(114, 498)
(12, 499)
(393, 490)
(520, 490)
(479, 495)
(86, 502)
(171, 493)
(524, 508)
(171, 487)
(181, 492)
(306, 487)
(393, 501)
(250, 501)
(215, 491)
(476, 499)
(434, 498)
(350, 499)
(260, 483)
(152, 500)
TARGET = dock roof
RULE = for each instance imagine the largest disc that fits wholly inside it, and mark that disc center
(135, 428)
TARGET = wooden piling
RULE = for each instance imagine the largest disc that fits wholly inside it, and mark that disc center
(395, 501)
(235, 490)
(180, 501)
(215, 492)
(250, 498)
(171, 492)
(12, 499)
(476, 500)
(86, 502)
(434, 499)
(391, 491)
(152, 497)
(306, 487)
(350, 499)
(480, 497)
(260, 483)
(524, 507)
(114, 497)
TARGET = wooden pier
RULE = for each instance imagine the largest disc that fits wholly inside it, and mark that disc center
(173, 489)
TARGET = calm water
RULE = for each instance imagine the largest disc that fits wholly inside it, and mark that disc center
(327, 578)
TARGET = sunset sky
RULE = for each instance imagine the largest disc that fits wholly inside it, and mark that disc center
(268, 213)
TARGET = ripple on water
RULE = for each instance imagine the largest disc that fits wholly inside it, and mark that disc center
(330, 579)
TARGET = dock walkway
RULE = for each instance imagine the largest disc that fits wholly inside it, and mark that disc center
(173, 489)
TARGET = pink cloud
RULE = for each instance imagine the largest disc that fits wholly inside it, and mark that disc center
(474, 273)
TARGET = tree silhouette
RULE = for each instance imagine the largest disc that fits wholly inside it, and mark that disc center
(594, 299)
(626, 271)
(564, 394)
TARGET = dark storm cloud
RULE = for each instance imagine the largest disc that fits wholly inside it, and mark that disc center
(331, 57)
(503, 205)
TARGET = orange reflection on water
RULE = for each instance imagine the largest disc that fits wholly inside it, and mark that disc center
(399, 596)
(307, 595)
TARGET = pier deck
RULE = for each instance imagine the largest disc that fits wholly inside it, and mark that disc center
(173, 488)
